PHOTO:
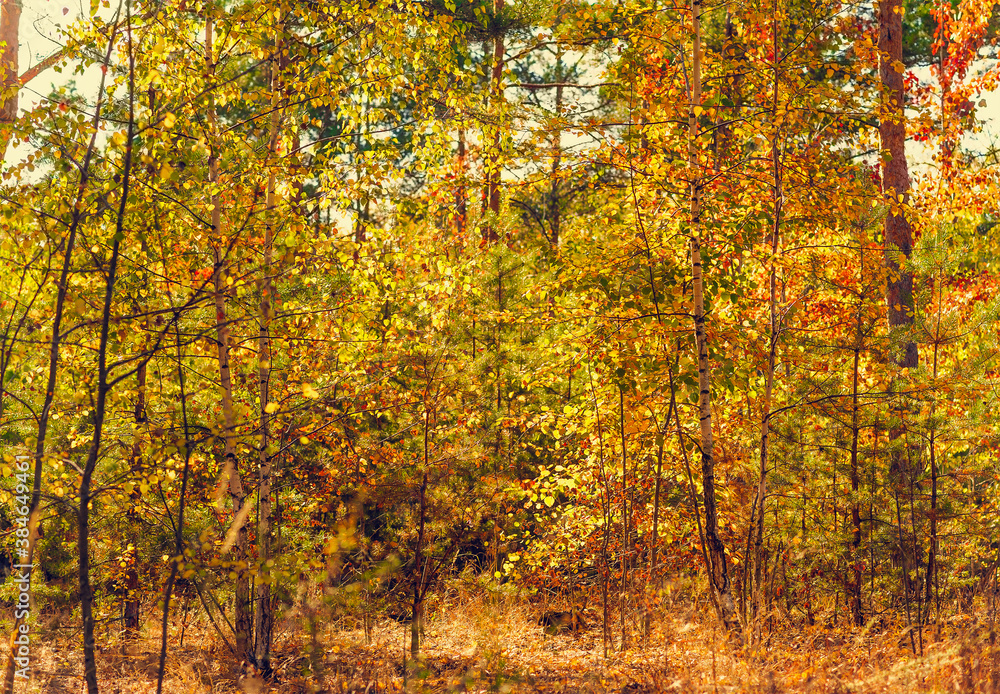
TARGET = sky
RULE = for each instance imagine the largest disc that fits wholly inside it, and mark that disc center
(42, 24)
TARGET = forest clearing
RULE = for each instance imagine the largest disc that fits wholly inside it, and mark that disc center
(499, 345)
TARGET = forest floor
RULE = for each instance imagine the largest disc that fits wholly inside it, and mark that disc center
(490, 644)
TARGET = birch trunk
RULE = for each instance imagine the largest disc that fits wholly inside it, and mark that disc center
(718, 570)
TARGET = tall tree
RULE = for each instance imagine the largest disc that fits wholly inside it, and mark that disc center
(718, 570)
(221, 247)
(264, 608)
(895, 175)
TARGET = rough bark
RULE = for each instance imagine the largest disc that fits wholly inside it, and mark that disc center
(10, 20)
(898, 240)
(895, 176)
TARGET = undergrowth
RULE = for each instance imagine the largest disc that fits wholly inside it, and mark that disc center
(487, 641)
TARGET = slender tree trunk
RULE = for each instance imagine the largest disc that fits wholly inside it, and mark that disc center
(461, 197)
(361, 225)
(693, 494)
(853, 578)
(10, 20)
(131, 610)
(264, 612)
(854, 571)
(759, 561)
(555, 215)
(241, 618)
(55, 344)
(718, 569)
(652, 578)
(625, 520)
(168, 589)
(947, 160)
(932, 551)
(895, 175)
(491, 193)
(419, 562)
(605, 490)
(100, 405)
(735, 51)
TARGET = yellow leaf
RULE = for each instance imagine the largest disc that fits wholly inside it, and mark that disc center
(271, 408)
(309, 391)
(169, 120)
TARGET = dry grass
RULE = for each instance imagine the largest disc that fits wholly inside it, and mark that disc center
(477, 641)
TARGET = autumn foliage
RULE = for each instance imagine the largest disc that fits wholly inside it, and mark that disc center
(598, 318)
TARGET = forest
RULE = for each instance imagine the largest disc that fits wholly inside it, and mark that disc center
(500, 345)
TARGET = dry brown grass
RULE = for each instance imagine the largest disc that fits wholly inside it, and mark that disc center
(481, 641)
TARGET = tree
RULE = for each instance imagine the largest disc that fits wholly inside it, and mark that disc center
(895, 175)
(718, 568)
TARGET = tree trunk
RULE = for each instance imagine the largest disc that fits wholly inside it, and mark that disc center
(10, 20)
(419, 564)
(461, 202)
(231, 473)
(652, 578)
(554, 214)
(491, 193)
(895, 176)
(625, 521)
(264, 613)
(854, 571)
(932, 551)
(898, 239)
(718, 570)
(131, 610)
(55, 344)
(757, 558)
(100, 408)
(168, 589)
